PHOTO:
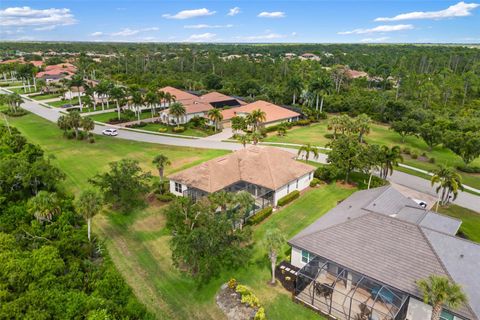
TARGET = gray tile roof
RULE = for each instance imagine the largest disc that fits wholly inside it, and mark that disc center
(386, 236)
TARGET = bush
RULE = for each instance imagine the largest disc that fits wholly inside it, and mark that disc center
(260, 216)
(162, 129)
(431, 160)
(304, 122)
(414, 154)
(81, 135)
(314, 182)
(178, 129)
(326, 173)
(141, 124)
(70, 134)
(166, 197)
(260, 315)
(288, 198)
(91, 140)
(329, 136)
(424, 154)
(232, 283)
(406, 150)
(18, 113)
(469, 169)
(247, 296)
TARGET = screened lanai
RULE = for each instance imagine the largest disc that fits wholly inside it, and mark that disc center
(346, 294)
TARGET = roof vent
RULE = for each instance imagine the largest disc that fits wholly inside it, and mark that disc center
(461, 256)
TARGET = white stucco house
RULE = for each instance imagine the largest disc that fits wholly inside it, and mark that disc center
(268, 173)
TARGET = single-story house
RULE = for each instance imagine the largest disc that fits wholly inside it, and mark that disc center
(363, 258)
(268, 173)
(220, 100)
(274, 114)
(57, 72)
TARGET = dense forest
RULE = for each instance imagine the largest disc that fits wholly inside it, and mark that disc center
(49, 268)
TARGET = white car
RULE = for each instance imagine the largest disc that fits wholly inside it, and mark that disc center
(110, 132)
(421, 203)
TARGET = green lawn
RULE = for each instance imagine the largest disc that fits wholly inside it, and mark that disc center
(46, 96)
(138, 244)
(10, 84)
(470, 227)
(188, 131)
(381, 134)
(81, 160)
(20, 90)
(104, 117)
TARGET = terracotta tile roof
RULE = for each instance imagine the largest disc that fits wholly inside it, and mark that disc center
(269, 167)
(191, 102)
(272, 111)
(180, 95)
(37, 63)
(58, 69)
(354, 74)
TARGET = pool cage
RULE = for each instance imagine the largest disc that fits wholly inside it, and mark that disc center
(346, 294)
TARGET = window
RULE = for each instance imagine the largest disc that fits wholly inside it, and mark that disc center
(310, 176)
(178, 187)
(305, 256)
(446, 315)
(297, 184)
(288, 188)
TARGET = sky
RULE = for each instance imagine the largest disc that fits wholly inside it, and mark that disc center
(263, 21)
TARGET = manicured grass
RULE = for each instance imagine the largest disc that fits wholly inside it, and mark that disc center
(104, 117)
(81, 160)
(138, 244)
(188, 131)
(46, 96)
(10, 84)
(21, 91)
(470, 227)
(381, 134)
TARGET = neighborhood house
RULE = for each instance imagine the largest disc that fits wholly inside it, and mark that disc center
(362, 259)
(265, 172)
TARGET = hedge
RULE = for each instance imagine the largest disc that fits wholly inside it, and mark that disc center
(260, 216)
(288, 198)
(314, 182)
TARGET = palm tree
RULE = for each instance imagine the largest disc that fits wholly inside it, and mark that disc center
(177, 110)
(273, 243)
(74, 120)
(390, 158)
(255, 137)
(244, 139)
(87, 124)
(362, 125)
(117, 93)
(255, 118)
(295, 86)
(216, 116)
(89, 203)
(62, 123)
(161, 161)
(44, 206)
(77, 82)
(449, 181)
(439, 291)
(137, 101)
(245, 202)
(325, 86)
(223, 199)
(151, 99)
(307, 149)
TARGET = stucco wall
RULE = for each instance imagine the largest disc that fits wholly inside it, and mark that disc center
(296, 258)
(303, 182)
(172, 188)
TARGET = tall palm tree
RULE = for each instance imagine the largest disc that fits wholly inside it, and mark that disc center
(161, 161)
(137, 100)
(449, 181)
(273, 242)
(325, 86)
(256, 118)
(307, 149)
(117, 93)
(390, 158)
(362, 125)
(216, 116)
(77, 82)
(255, 137)
(151, 99)
(177, 110)
(294, 85)
(87, 124)
(245, 202)
(244, 139)
(89, 203)
(44, 206)
(439, 291)
(161, 98)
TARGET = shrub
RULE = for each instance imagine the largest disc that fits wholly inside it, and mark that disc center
(141, 124)
(247, 296)
(81, 135)
(260, 315)
(406, 150)
(414, 154)
(166, 197)
(326, 173)
(162, 129)
(18, 113)
(288, 198)
(424, 154)
(469, 169)
(431, 160)
(178, 129)
(314, 182)
(322, 115)
(260, 216)
(70, 135)
(329, 136)
(91, 140)
(304, 122)
(232, 283)
(263, 132)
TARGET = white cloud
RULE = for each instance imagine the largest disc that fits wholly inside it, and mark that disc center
(267, 36)
(385, 28)
(233, 12)
(45, 28)
(274, 14)
(203, 37)
(460, 9)
(187, 14)
(207, 26)
(131, 32)
(381, 39)
(97, 34)
(26, 16)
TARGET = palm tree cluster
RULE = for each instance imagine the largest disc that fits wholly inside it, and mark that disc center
(449, 182)
(348, 126)
(13, 101)
(254, 121)
(74, 121)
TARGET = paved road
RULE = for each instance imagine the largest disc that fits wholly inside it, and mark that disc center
(464, 199)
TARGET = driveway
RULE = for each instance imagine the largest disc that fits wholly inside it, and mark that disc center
(464, 199)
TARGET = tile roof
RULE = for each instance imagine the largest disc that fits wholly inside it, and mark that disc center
(180, 95)
(379, 233)
(269, 167)
(191, 102)
(272, 111)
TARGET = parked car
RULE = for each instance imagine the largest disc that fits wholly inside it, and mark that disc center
(421, 203)
(110, 132)
(68, 105)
